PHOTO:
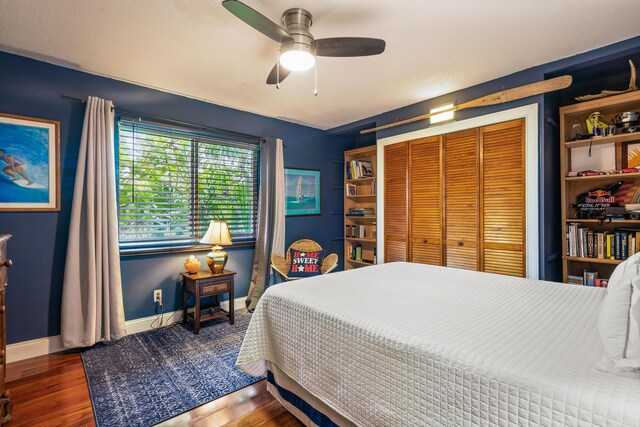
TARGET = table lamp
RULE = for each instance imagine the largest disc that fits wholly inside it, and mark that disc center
(217, 234)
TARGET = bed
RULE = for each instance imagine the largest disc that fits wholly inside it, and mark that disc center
(405, 344)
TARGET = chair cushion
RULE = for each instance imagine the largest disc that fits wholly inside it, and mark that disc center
(305, 264)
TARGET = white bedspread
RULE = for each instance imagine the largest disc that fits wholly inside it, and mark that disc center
(409, 345)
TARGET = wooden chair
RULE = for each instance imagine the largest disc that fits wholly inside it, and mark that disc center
(281, 265)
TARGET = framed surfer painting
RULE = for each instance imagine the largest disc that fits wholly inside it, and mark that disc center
(302, 192)
(29, 164)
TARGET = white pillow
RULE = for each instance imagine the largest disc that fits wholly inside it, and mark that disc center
(619, 319)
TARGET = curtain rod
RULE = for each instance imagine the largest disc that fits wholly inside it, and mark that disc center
(172, 121)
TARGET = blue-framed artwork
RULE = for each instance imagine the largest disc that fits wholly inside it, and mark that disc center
(302, 192)
(29, 164)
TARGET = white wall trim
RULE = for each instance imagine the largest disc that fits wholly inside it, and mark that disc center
(33, 348)
(532, 144)
(42, 346)
(144, 323)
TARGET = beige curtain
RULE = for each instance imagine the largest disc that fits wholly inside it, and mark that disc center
(270, 237)
(92, 308)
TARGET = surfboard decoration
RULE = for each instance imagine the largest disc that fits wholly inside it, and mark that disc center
(25, 184)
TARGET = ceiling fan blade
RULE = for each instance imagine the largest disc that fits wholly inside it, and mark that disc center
(257, 20)
(349, 46)
(273, 75)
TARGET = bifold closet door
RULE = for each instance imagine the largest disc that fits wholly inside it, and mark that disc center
(395, 202)
(461, 189)
(425, 201)
(503, 198)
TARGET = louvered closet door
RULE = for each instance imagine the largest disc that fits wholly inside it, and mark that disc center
(503, 198)
(395, 202)
(425, 201)
(461, 199)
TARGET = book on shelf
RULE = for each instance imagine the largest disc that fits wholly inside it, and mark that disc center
(351, 189)
(600, 245)
(574, 280)
(619, 244)
(589, 278)
(357, 169)
(590, 244)
(360, 211)
(355, 231)
(356, 252)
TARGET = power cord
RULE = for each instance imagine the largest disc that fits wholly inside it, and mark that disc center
(160, 319)
(158, 322)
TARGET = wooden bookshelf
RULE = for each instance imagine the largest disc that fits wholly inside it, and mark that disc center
(593, 260)
(365, 197)
(571, 187)
(359, 180)
(623, 222)
(625, 137)
(358, 263)
(612, 177)
(356, 239)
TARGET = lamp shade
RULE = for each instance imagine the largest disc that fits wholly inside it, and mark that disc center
(217, 234)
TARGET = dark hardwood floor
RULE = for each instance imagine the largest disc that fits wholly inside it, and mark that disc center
(52, 391)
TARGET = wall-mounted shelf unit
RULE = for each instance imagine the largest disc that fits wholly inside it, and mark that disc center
(360, 231)
(618, 146)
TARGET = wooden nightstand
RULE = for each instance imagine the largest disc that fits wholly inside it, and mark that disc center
(204, 284)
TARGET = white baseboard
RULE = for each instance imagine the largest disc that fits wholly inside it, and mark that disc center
(42, 346)
(38, 347)
(238, 304)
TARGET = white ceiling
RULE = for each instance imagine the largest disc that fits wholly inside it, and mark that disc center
(198, 49)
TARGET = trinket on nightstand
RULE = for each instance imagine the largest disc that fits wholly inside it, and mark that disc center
(192, 265)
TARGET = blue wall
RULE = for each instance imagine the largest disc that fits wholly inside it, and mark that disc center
(604, 68)
(38, 248)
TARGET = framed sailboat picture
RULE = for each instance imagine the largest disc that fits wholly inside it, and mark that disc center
(302, 192)
(29, 164)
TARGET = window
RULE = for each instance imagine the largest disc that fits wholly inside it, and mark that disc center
(172, 182)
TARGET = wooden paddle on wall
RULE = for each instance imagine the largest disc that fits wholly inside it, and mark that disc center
(501, 97)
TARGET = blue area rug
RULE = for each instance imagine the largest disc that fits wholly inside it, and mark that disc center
(146, 378)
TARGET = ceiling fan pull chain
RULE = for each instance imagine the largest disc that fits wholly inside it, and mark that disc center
(315, 79)
(278, 71)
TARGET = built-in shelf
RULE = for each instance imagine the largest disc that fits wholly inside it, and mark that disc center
(613, 221)
(573, 186)
(623, 137)
(363, 180)
(353, 261)
(362, 196)
(612, 176)
(364, 201)
(593, 260)
(357, 239)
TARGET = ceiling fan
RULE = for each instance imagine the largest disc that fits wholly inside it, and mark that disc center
(298, 47)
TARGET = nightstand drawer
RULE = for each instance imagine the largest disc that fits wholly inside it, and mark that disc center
(214, 289)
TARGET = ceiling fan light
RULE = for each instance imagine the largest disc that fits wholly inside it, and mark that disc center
(297, 60)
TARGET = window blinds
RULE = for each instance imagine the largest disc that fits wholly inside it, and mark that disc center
(172, 182)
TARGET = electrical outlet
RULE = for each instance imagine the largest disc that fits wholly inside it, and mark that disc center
(157, 295)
